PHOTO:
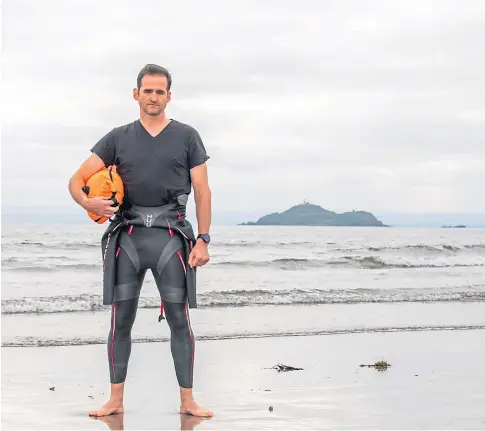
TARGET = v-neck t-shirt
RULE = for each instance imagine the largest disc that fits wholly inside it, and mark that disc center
(154, 169)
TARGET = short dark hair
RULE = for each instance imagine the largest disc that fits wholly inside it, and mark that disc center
(154, 69)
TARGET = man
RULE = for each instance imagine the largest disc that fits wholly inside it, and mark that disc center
(159, 160)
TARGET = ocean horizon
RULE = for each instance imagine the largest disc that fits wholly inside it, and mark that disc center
(75, 215)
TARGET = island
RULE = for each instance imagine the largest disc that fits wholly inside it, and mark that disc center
(460, 226)
(308, 214)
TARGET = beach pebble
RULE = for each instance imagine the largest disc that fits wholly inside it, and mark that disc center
(52, 388)
(270, 408)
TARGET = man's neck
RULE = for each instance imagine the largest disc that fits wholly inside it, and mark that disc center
(153, 122)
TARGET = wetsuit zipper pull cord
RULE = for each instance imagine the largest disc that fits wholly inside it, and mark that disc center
(160, 318)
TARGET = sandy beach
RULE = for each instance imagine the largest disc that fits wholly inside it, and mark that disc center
(435, 381)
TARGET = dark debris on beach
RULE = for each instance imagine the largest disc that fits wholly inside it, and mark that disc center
(283, 368)
(379, 365)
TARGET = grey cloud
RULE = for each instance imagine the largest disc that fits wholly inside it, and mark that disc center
(374, 104)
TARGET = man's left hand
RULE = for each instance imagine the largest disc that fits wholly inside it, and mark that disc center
(199, 255)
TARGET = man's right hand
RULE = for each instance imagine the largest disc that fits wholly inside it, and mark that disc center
(100, 206)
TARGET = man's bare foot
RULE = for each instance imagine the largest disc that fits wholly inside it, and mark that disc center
(110, 407)
(190, 407)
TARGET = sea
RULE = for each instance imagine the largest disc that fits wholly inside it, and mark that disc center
(261, 281)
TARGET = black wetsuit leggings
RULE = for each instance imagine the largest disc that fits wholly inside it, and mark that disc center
(181, 343)
(144, 248)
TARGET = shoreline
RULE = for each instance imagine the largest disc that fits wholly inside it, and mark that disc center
(314, 333)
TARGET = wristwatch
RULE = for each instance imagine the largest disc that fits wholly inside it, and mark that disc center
(205, 237)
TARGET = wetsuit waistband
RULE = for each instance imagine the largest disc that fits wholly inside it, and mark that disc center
(159, 216)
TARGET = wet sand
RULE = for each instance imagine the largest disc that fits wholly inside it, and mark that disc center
(436, 381)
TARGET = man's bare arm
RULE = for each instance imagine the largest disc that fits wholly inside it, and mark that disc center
(98, 205)
(88, 168)
(202, 197)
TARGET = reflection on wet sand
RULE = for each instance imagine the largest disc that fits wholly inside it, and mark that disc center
(115, 421)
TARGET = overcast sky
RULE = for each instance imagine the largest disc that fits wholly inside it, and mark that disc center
(373, 105)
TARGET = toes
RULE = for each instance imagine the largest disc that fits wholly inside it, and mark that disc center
(106, 411)
(98, 413)
(197, 412)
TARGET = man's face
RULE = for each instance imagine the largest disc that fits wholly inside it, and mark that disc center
(153, 95)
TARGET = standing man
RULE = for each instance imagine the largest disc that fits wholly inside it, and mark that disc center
(159, 160)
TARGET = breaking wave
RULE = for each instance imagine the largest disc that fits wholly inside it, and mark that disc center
(241, 298)
(365, 262)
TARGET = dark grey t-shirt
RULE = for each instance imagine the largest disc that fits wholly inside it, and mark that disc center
(153, 169)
